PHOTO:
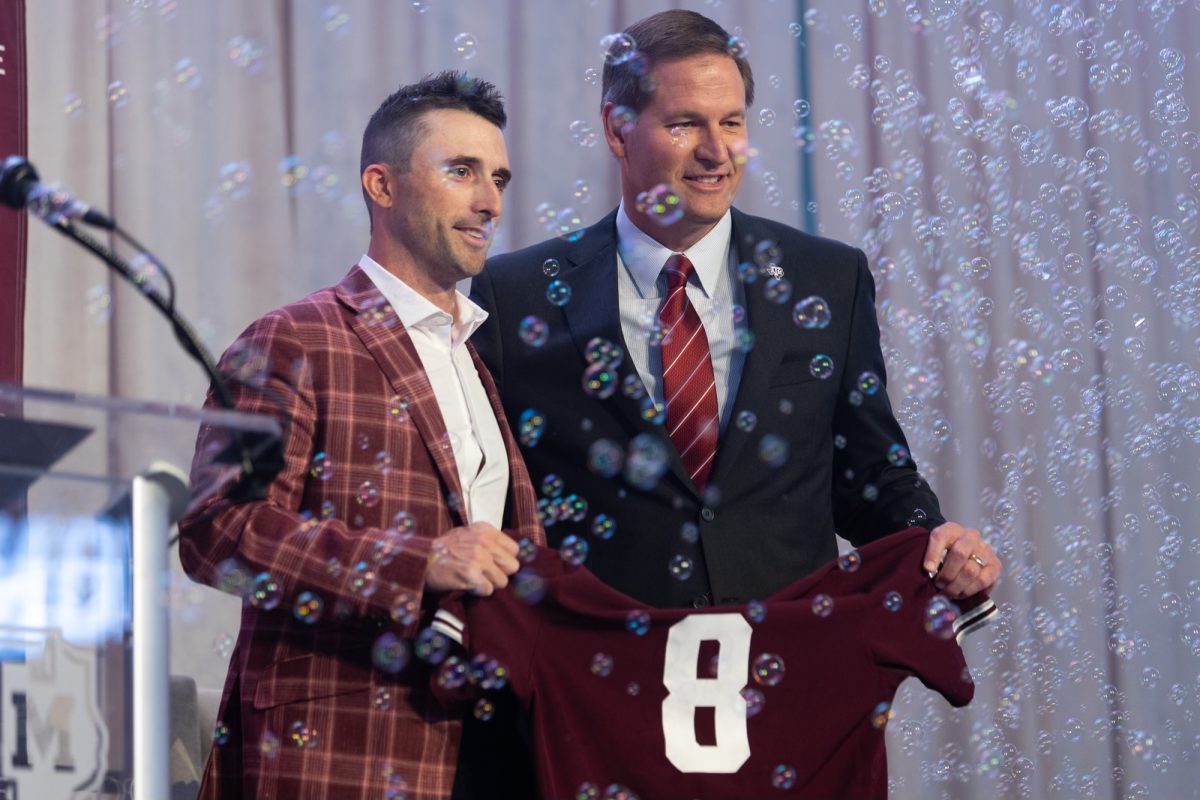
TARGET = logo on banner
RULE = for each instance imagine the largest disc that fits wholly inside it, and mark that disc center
(53, 740)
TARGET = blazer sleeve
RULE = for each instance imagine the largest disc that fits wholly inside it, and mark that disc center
(366, 572)
(876, 487)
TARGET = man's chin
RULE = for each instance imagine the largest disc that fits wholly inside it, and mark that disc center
(711, 207)
(468, 268)
(705, 217)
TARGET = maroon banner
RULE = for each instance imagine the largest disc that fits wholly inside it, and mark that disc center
(13, 224)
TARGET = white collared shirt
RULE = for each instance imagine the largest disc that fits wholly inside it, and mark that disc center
(712, 290)
(474, 433)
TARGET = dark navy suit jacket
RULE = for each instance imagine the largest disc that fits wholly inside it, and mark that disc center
(761, 525)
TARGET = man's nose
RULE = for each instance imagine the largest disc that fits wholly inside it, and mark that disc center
(488, 200)
(711, 145)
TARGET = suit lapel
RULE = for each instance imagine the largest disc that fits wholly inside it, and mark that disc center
(764, 319)
(594, 311)
(385, 338)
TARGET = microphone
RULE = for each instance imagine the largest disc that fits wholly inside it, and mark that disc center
(20, 188)
(260, 454)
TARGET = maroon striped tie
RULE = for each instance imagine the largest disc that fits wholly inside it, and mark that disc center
(688, 383)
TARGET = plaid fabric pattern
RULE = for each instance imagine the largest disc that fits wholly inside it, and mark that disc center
(322, 699)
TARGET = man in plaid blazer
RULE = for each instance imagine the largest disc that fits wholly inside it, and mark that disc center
(399, 473)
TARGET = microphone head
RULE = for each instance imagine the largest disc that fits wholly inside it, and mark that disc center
(17, 179)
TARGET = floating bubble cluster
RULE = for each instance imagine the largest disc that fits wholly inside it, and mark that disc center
(1022, 273)
(1024, 180)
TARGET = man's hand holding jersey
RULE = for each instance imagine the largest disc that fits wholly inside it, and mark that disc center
(960, 562)
(477, 558)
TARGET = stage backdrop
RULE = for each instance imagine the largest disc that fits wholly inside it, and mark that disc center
(1023, 176)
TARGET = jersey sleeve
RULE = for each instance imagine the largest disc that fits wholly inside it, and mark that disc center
(917, 631)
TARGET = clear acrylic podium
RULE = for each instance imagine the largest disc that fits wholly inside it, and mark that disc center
(90, 488)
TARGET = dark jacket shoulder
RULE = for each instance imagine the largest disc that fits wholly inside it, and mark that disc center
(751, 232)
(527, 262)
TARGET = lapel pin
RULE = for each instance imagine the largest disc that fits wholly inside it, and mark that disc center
(775, 271)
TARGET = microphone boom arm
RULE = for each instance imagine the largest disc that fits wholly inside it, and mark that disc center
(183, 331)
(260, 456)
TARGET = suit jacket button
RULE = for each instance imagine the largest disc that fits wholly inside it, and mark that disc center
(700, 601)
(707, 514)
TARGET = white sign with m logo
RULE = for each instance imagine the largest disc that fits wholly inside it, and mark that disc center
(53, 741)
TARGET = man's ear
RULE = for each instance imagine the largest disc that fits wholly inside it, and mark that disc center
(613, 135)
(377, 183)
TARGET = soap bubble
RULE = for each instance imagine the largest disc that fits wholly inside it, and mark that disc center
(533, 331)
(465, 46)
(661, 204)
(812, 313)
(768, 669)
(618, 48)
(573, 550)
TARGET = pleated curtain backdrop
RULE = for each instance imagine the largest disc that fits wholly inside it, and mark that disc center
(1022, 175)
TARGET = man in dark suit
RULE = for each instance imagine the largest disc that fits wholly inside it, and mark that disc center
(399, 472)
(709, 385)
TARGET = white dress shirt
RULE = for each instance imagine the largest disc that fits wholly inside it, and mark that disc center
(474, 433)
(713, 290)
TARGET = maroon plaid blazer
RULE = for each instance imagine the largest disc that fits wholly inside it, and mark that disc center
(315, 705)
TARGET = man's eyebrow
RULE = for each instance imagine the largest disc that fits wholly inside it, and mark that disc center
(476, 164)
(694, 115)
(470, 161)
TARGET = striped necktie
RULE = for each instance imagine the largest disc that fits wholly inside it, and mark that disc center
(689, 387)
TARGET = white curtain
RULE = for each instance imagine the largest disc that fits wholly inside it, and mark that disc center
(1023, 176)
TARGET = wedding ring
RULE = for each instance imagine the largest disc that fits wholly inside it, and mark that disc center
(979, 561)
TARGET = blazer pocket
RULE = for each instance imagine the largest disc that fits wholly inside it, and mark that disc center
(308, 677)
(790, 372)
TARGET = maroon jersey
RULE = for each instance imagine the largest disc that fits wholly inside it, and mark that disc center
(783, 698)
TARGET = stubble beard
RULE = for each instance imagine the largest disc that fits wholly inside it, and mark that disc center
(458, 261)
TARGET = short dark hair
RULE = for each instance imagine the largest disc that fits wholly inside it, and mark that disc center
(667, 36)
(392, 134)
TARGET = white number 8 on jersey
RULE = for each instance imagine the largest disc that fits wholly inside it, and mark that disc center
(686, 692)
